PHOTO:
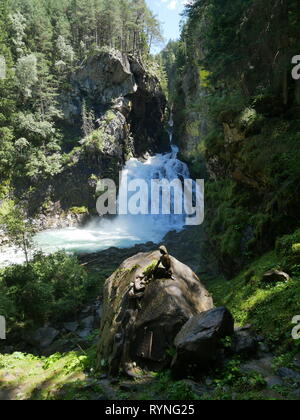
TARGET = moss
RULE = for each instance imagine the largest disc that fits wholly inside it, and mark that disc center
(288, 252)
(269, 308)
(150, 268)
(5, 208)
(109, 116)
(41, 378)
(79, 210)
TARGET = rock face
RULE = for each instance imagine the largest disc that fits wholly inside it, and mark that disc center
(112, 80)
(142, 331)
(197, 342)
(128, 106)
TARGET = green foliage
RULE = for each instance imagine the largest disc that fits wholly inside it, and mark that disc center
(46, 288)
(95, 142)
(41, 53)
(19, 230)
(230, 382)
(288, 251)
(174, 391)
(57, 377)
(79, 210)
(150, 268)
(270, 309)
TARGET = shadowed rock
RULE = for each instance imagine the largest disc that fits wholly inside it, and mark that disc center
(198, 341)
(141, 331)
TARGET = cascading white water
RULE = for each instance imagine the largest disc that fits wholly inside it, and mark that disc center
(123, 230)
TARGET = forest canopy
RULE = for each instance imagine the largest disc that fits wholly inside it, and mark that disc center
(43, 42)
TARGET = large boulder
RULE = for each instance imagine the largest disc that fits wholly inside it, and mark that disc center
(198, 341)
(141, 331)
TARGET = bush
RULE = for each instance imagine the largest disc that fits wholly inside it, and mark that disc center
(47, 288)
(288, 251)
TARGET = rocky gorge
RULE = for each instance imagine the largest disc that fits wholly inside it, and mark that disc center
(128, 108)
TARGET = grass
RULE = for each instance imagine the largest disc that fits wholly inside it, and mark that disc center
(24, 376)
(269, 308)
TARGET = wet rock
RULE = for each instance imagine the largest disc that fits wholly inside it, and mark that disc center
(198, 341)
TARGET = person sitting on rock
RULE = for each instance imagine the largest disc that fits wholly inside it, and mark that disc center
(165, 261)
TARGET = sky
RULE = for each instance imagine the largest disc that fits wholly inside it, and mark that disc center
(168, 12)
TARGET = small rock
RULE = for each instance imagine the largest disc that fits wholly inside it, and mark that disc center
(197, 388)
(87, 310)
(71, 326)
(273, 381)
(88, 322)
(296, 361)
(244, 343)
(295, 394)
(276, 276)
(245, 328)
(263, 366)
(263, 347)
(84, 333)
(126, 387)
(44, 337)
(289, 374)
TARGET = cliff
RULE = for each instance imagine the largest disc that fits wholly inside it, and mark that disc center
(120, 105)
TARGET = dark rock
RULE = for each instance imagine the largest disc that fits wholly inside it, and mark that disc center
(198, 341)
(84, 333)
(197, 388)
(71, 326)
(274, 276)
(273, 381)
(129, 387)
(263, 347)
(87, 323)
(87, 310)
(44, 337)
(289, 374)
(295, 395)
(244, 343)
(143, 331)
(264, 367)
(296, 361)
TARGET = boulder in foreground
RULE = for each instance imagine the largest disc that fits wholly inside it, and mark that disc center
(198, 341)
(140, 332)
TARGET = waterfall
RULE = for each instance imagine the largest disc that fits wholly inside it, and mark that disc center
(121, 231)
